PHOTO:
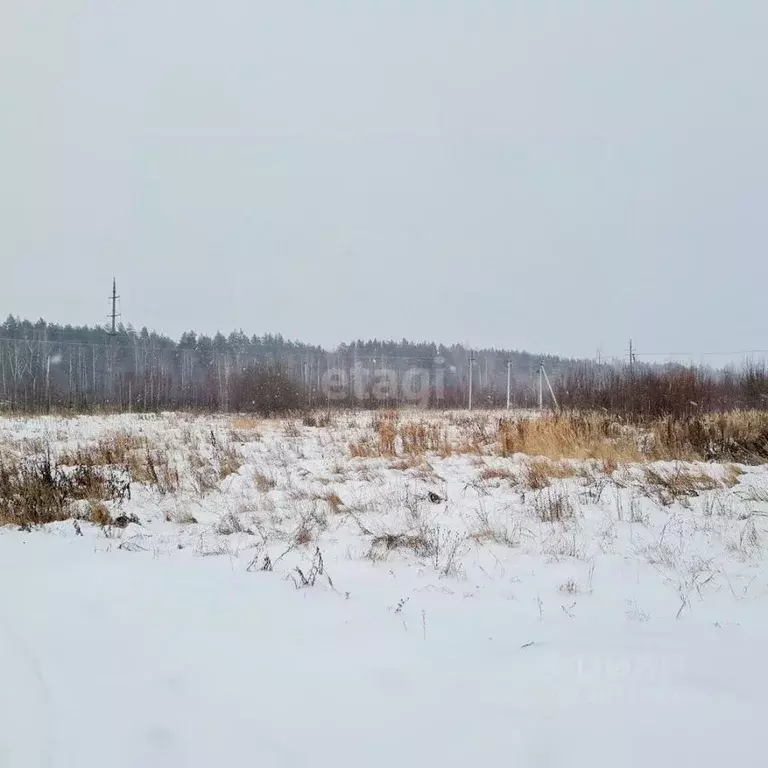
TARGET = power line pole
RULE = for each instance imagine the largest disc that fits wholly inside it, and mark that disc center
(471, 368)
(306, 377)
(541, 382)
(110, 351)
(549, 386)
(115, 314)
(632, 357)
(509, 378)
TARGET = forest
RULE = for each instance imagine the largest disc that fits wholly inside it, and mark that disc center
(46, 366)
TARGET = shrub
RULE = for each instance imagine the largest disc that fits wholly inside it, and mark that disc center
(39, 492)
(265, 391)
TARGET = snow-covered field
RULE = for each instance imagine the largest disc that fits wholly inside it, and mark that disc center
(285, 597)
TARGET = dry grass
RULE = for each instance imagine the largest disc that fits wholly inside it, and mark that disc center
(736, 436)
(263, 482)
(666, 486)
(229, 461)
(539, 473)
(569, 587)
(732, 474)
(304, 534)
(334, 501)
(423, 437)
(154, 469)
(412, 461)
(205, 478)
(318, 419)
(331, 498)
(180, 517)
(115, 449)
(245, 423)
(389, 542)
(32, 494)
(507, 533)
(39, 492)
(146, 463)
(498, 473)
(245, 429)
(365, 448)
(291, 429)
(442, 548)
(535, 476)
(100, 514)
(553, 506)
(414, 438)
(386, 427)
(576, 437)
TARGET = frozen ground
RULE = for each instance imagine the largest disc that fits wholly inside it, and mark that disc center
(599, 620)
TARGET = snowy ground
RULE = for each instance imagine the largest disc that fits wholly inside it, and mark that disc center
(629, 631)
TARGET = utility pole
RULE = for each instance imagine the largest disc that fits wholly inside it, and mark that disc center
(632, 357)
(306, 374)
(509, 378)
(115, 314)
(110, 351)
(541, 393)
(549, 387)
(48, 382)
(471, 368)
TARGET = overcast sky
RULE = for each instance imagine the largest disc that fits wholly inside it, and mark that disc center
(556, 176)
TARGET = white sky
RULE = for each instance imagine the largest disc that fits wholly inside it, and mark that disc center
(555, 176)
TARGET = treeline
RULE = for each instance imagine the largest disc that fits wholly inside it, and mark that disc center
(45, 367)
(672, 390)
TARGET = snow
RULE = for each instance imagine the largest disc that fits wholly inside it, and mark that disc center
(595, 642)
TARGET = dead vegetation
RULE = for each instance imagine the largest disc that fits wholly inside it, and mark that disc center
(539, 473)
(245, 429)
(36, 492)
(412, 461)
(736, 436)
(100, 514)
(264, 483)
(332, 499)
(666, 486)
(507, 532)
(145, 463)
(614, 468)
(498, 473)
(229, 461)
(317, 420)
(154, 469)
(389, 542)
(577, 437)
(390, 438)
(118, 448)
(422, 437)
(553, 506)
(441, 547)
(732, 474)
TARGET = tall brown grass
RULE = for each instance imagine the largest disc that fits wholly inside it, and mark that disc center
(575, 436)
(40, 491)
(735, 436)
